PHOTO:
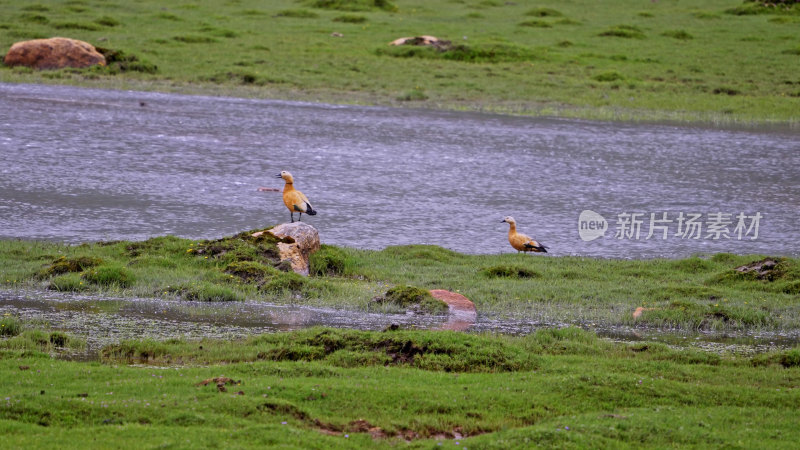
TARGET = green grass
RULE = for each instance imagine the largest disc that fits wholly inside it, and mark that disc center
(546, 62)
(702, 292)
(324, 388)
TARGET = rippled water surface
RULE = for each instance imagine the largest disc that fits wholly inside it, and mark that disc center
(84, 165)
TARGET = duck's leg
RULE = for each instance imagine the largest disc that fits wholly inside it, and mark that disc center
(291, 214)
(300, 218)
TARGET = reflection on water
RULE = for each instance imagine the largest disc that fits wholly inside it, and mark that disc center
(85, 164)
(103, 321)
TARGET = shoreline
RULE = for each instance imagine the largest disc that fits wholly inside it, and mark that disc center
(543, 109)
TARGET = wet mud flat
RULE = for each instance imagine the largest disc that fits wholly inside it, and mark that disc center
(107, 320)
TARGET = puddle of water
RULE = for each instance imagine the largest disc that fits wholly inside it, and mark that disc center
(104, 321)
(86, 164)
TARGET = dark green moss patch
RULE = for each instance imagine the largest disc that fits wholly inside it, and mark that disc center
(764, 270)
(349, 18)
(354, 5)
(543, 12)
(107, 21)
(753, 7)
(297, 14)
(510, 272)
(624, 31)
(612, 75)
(87, 26)
(118, 61)
(64, 265)
(195, 39)
(250, 271)
(486, 53)
(678, 34)
(242, 247)
(445, 351)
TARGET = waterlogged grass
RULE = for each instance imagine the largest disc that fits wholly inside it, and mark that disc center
(324, 388)
(550, 60)
(714, 292)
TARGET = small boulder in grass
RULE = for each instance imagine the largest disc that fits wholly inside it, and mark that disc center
(53, 53)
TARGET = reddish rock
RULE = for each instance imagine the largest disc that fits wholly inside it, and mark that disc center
(462, 311)
(53, 53)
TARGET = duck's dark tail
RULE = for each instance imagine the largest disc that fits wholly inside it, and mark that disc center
(310, 211)
(539, 248)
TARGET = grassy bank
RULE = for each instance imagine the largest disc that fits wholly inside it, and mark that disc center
(616, 60)
(718, 292)
(324, 388)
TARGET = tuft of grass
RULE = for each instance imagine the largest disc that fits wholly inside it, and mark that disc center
(250, 271)
(34, 18)
(85, 26)
(107, 21)
(36, 7)
(118, 61)
(624, 31)
(678, 34)
(350, 18)
(414, 95)
(535, 24)
(726, 90)
(492, 53)
(70, 282)
(285, 282)
(543, 12)
(109, 276)
(208, 292)
(330, 261)
(788, 358)
(195, 39)
(297, 14)
(505, 271)
(612, 75)
(10, 326)
(354, 5)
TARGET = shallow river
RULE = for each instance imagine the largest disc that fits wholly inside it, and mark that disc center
(85, 164)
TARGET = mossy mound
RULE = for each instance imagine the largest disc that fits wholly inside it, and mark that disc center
(412, 299)
(118, 61)
(509, 272)
(262, 248)
(109, 276)
(64, 265)
(779, 273)
(250, 271)
(329, 261)
(354, 5)
(445, 351)
(482, 53)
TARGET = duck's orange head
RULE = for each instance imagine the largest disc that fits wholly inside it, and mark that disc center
(509, 219)
(287, 177)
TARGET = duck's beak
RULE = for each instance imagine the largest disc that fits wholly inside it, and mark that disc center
(502, 220)
(278, 176)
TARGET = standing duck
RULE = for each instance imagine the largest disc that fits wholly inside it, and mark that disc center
(520, 241)
(295, 200)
